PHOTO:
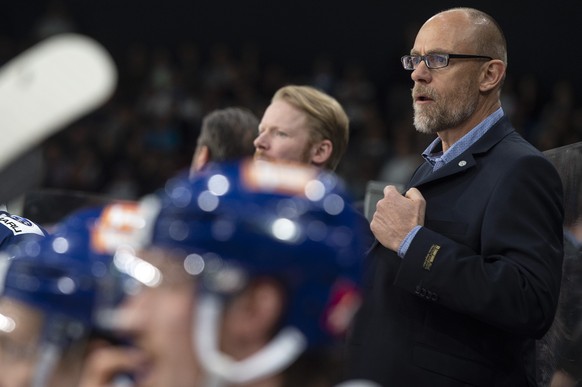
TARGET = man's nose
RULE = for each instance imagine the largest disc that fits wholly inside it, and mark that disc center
(261, 141)
(421, 73)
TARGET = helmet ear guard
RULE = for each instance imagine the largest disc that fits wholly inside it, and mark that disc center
(277, 355)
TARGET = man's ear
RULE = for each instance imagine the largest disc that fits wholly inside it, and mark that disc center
(252, 317)
(492, 75)
(200, 159)
(321, 152)
(266, 303)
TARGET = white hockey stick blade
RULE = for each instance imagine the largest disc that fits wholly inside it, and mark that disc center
(49, 86)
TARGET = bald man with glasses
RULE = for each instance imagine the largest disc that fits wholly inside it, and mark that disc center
(466, 269)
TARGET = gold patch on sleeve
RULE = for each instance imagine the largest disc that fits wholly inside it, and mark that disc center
(429, 259)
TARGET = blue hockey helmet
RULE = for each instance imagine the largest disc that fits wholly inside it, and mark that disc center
(14, 229)
(56, 274)
(91, 237)
(237, 222)
(63, 277)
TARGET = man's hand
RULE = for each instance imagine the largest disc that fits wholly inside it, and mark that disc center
(105, 362)
(397, 215)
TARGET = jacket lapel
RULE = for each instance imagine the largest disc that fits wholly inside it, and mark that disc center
(465, 160)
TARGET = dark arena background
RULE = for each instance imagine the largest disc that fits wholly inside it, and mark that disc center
(177, 60)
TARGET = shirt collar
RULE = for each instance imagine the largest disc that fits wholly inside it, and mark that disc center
(434, 154)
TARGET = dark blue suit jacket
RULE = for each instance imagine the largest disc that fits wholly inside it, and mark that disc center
(479, 282)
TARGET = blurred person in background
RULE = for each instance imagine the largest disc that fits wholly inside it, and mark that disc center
(303, 124)
(560, 350)
(226, 134)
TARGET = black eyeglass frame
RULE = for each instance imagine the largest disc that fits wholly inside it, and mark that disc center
(424, 58)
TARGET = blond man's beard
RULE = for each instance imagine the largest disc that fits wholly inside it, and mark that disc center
(304, 158)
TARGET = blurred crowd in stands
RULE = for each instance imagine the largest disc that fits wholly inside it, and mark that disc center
(147, 131)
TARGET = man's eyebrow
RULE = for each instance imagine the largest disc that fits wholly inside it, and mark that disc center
(434, 51)
(269, 127)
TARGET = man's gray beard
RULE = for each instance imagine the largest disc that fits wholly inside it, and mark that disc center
(429, 121)
(423, 122)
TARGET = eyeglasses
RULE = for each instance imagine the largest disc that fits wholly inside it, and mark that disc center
(435, 61)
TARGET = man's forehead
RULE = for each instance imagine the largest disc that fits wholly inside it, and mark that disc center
(281, 114)
(18, 313)
(441, 41)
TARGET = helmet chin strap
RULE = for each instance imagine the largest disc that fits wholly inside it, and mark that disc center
(276, 356)
(49, 355)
